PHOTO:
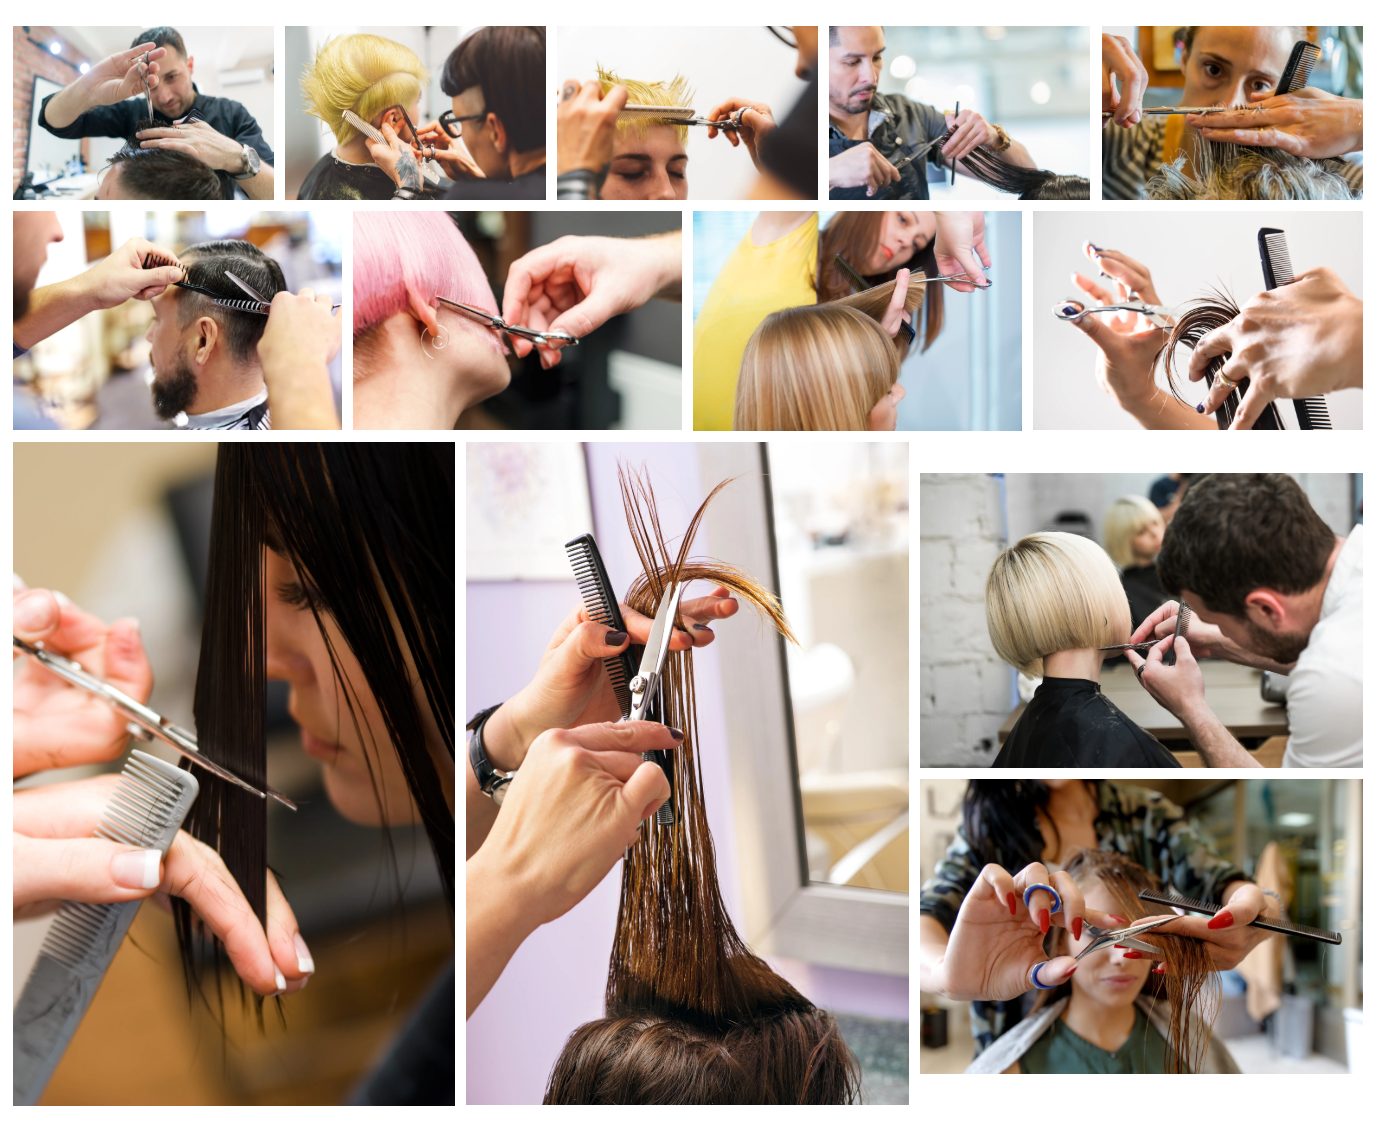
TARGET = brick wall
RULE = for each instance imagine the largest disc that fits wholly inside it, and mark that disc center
(30, 59)
(964, 686)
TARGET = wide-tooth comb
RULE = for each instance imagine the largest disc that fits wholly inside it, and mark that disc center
(600, 602)
(1176, 901)
(1183, 618)
(1297, 73)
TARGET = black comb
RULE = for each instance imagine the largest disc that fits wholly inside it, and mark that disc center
(1313, 413)
(240, 305)
(600, 602)
(1297, 73)
(1175, 901)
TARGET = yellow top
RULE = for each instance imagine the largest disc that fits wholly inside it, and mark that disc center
(753, 282)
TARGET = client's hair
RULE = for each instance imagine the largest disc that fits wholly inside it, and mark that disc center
(1127, 517)
(854, 235)
(1051, 592)
(820, 367)
(1221, 170)
(693, 1016)
(206, 264)
(1191, 982)
(508, 64)
(1027, 183)
(163, 174)
(369, 528)
(674, 93)
(363, 73)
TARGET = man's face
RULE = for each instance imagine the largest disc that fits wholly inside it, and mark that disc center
(33, 231)
(170, 351)
(174, 95)
(1282, 646)
(478, 135)
(854, 67)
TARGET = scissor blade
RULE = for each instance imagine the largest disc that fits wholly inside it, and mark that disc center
(657, 645)
(246, 287)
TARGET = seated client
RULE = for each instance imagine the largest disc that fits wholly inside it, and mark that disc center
(649, 156)
(157, 174)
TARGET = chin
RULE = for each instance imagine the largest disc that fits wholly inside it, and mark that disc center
(351, 797)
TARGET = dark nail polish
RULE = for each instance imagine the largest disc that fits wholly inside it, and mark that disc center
(1044, 921)
(1200, 409)
(701, 627)
(615, 638)
(1222, 920)
(1076, 928)
(1013, 905)
(674, 732)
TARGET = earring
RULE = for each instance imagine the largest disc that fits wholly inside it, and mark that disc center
(438, 342)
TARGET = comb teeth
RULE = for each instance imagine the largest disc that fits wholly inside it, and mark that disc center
(1279, 254)
(244, 305)
(1175, 900)
(596, 591)
(1313, 414)
(1297, 73)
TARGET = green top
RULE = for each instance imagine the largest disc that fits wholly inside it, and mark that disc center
(1062, 1050)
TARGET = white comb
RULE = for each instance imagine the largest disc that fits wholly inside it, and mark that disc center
(428, 169)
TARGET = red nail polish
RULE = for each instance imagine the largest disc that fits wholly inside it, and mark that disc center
(1013, 905)
(1159, 971)
(1120, 919)
(1130, 954)
(1076, 928)
(1222, 920)
(1044, 921)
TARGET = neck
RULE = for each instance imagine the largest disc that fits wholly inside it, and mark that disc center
(852, 126)
(1072, 806)
(1083, 664)
(222, 386)
(354, 151)
(387, 393)
(1141, 561)
(529, 161)
(1106, 1027)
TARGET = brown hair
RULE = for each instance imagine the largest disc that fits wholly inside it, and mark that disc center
(693, 1016)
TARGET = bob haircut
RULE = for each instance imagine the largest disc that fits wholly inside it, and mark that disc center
(508, 65)
(1126, 518)
(364, 73)
(399, 253)
(675, 93)
(1051, 592)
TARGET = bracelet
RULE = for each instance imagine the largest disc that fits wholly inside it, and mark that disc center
(489, 779)
(579, 184)
(1004, 139)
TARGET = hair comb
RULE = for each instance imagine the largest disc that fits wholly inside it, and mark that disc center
(428, 169)
(1304, 56)
(1175, 901)
(1183, 618)
(600, 602)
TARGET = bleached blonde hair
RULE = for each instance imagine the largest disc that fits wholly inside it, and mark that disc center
(1053, 592)
(363, 73)
(674, 93)
(1126, 518)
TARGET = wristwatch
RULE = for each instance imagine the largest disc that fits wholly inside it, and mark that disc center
(491, 782)
(579, 184)
(1004, 140)
(252, 163)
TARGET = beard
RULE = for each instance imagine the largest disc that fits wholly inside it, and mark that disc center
(1281, 646)
(174, 392)
(855, 104)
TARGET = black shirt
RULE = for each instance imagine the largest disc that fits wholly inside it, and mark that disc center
(334, 179)
(527, 186)
(1069, 723)
(906, 128)
(791, 151)
(224, 115)
(1144, 594)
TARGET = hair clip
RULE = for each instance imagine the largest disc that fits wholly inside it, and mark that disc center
(493, 321)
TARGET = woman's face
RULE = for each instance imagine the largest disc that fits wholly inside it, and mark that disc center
(1148, 542)
(884, 416)
(1107, 977)
(1232, 66)
(902, 235)
(653, 167)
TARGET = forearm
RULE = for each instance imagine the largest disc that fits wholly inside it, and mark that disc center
(259, 187)
(932, 949)
(66, 106)
(495, 927)
(52, 308)
(670, 246)
(1215, 743)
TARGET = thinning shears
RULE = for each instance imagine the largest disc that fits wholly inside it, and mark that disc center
(494, 321)
(647, 696)
(1123, 938)
(147, 724)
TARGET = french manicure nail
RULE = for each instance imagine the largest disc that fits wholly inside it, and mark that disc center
(674, 732)
(17, 581)
(1072, 971)
(1222, 920)
(1044, 921)
(1159, 971)
(1076, 927)
(31, 612)
(136, 869)
(614, 638)
(279, 978)
(1013, 906)
(304, 964)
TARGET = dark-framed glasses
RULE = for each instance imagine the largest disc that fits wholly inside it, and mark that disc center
(785, 35)
(454, 125)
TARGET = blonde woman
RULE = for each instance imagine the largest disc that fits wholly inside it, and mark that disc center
(1051, 601)
(1133, 530)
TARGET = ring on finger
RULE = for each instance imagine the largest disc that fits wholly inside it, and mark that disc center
(1139, 671)
(1230, 384)
(1056, 897)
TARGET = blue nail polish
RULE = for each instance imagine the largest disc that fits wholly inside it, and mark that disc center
(1200, 409)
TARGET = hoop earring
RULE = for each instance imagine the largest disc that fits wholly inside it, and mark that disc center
(438, 342)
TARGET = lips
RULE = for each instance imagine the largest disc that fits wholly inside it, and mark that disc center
(887, 253)
(1119, 982)
(317, 748)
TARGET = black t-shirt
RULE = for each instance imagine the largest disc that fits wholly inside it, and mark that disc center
(527, 186)
(791, 151)
(224, 115)
(1069, 723)
(334, 179)
(1144, 594)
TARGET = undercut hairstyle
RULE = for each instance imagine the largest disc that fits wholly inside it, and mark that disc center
(162, 37)
(206, 264)
(1127, 517)
(854, 235)
(676, 93)
(1242, 532)
(1026, 183)
(163, 174)
(692, 1014)
(1052, 592)
(508, 63)
(363, 73)
(1224, 171)
(821, 367)
(369, 529)
(399, 253)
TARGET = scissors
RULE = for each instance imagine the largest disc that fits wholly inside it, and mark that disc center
(1123, 938)
(539, 336)
(267, 305)
(918, 154)
(147, 725)
(1160, 316)
(679, 115)
(143, 77)
(646, 695)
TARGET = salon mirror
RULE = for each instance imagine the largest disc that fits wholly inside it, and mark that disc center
(47, 157)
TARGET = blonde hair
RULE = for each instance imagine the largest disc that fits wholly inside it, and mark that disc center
(1126, 518)
(1052, 592)
(675, 93)
(821, 367)
(363, 73)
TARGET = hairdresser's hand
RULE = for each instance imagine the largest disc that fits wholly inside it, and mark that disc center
(571, 687)
(116, 78)
(1308, 123)
(121, 276)
(1207, 640)
(199, 139)
(861, 165)
(586, 122)
(1226, 935)
(1121, 68)
(1179, 689)
(960, 248)
(56, 858)
(1304, 339)
(1129, 276)
(56, 724)
(300, 340)
(433, 143)
(884, 416)
(396, 158)
(756, 121)
(579, 282)
(972, 131)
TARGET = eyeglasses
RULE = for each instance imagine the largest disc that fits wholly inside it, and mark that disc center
(452, 125)
(785, 35)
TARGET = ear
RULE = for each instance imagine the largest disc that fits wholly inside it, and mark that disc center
(1266, 607)
(191, 65)
(207, 339)
(422, 310)
(498, 131)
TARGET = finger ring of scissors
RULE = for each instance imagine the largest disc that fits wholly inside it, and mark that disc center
(1027, 893)
(1033, 972)
(1139, 671)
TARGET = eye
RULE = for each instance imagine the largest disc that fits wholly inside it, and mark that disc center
(1214, 70)
(300, 596)
(638, 175)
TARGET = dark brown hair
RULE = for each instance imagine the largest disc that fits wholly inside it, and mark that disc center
(693, 1016)
(1026, 183)
(205, 265)
(508, 63)
(1235, 533)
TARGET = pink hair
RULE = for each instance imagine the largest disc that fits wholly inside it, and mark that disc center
(422, 250)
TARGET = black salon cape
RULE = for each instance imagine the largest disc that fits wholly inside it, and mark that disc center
(1071, 724)
(527, 186)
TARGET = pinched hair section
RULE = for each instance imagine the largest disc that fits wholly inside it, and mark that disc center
(1224, 171)
(1052, 592)
(363, 73)
(1026, 183)
(677, 92)
(1127, 517)
(206, 264)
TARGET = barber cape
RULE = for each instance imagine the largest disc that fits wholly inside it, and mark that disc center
(247, 415)
(1012, 1046)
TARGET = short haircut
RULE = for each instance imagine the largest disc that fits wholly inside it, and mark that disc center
(363, 73)
(164, 174)
(206, 264)
(833, 39)
(423, 250)
(1235, 533)
(508, 63)
(1224, 171)
(674, 93)
(1126, 518)
(1052, 592)
(162, 37)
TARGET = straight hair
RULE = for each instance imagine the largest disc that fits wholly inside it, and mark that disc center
(1127, 517)
(206, 264)
(508, 64)
(1026, 183)
(677, 93)
(363, 73)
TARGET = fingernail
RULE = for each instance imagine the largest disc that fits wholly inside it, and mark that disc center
(1130, 954)
(18, 581)
(1072, 971)
(701, 627)
(136, 869)
(674, 732)
(614, 638)
(1076, 928)
(1013, 906)
(1222, 920)
(304, 964)
(1120, 919)
(1044, 921)
(62, 600)
(31, 612)
(1200, 409)
(1159, 971)
(279, 978)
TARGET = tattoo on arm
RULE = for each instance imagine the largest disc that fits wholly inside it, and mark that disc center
(408, 173)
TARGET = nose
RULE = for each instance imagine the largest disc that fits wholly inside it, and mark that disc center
(662, 189)
(284, 660)
(867, 74)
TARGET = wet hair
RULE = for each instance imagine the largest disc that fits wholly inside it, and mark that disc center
(369, 528)
(1026, 183)
(508, 63)
(1235, 533)
(1126, 518)
(206, 264)
(161, 37)
(676, 92)
(692, 1015)
(163, 174)
(854, 235)
(1225, 171)
(363, 73)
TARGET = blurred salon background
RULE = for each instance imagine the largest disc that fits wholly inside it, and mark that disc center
(95, 374)
(1293, 1005)
(132, 540)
